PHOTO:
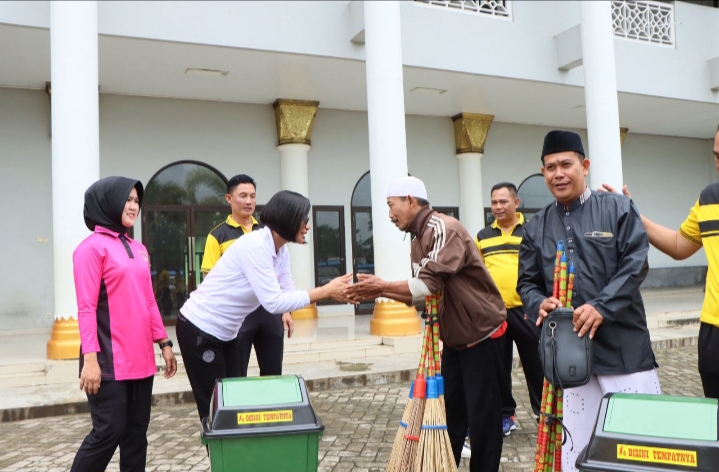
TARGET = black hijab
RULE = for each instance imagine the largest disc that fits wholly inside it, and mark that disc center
(105, 201)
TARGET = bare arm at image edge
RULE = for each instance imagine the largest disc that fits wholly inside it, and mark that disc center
(681, 244)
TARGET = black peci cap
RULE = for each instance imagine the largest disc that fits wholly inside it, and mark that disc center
(562, 141)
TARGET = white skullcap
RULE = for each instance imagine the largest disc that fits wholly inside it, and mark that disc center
(407, 186)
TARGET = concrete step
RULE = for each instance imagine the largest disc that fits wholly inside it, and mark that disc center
(357, 352)
(301, 357)
(56, 372)
(333, 350)
(26, 373)
(325, 345)
(23, 368)
(21, 379)
(673, 319)
(404, 344)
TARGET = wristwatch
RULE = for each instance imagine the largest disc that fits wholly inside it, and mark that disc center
(166, 344)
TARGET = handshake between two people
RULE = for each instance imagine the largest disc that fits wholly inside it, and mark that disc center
(342, 289)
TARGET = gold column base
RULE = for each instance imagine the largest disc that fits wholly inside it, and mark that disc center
(307, 313)
(64, 341)
(391, 318)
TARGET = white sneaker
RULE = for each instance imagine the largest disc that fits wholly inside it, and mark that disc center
(466, 450)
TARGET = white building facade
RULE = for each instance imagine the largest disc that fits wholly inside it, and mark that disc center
(457, 93)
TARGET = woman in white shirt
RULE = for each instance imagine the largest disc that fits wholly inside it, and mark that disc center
(254, 271)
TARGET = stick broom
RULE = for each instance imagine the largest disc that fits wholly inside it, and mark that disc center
(394, 457)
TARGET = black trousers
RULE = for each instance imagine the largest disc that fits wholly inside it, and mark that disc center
(265, 331)
(709, 359)
(526, 335)
(472, 397)
(120, 412)
(206, 359)
(710, 383)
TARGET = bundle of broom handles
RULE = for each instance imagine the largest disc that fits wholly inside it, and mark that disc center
(548, 457)
(422, 442)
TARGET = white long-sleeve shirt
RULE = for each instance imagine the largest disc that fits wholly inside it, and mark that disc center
(249, 274)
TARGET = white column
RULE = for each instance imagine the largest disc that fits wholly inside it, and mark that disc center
(295, 177)
(75, 139)
(471, 203)
(387, 160)
(387, 137)
(600, 94)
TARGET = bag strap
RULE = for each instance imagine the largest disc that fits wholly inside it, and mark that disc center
(555, 371)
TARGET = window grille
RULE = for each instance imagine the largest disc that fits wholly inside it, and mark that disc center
(645, 21)
(499, 8)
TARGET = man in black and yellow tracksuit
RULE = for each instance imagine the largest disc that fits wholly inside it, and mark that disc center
(262, 329)
(498, 245)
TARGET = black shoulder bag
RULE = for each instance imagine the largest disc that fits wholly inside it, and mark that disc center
(566, 358)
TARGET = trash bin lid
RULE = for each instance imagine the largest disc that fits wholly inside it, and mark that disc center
(652, 433)
(260, 406)
(662, 416)
(254, 391)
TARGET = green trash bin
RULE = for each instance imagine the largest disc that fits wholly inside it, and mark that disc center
(262, 424)
(652, 433)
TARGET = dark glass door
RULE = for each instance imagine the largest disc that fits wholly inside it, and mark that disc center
(329, 240)
(175, 240)
(362, 249)
(203, 221)
(183, 202)
(168, 246)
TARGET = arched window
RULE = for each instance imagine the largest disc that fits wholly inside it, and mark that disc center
(186, 183)
(182, 203)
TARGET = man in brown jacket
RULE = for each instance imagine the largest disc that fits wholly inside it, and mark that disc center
(472, 317)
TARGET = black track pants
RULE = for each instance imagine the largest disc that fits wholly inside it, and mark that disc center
(206, 359)
(709, 359)
(472, 397)
(526, 335)
(120, 413)
(265, 331)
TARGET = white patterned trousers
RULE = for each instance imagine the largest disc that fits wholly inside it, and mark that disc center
(581, 407)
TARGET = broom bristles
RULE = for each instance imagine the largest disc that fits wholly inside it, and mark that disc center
(406, 450)
(411, 436)
(394, 457)
(435, 451)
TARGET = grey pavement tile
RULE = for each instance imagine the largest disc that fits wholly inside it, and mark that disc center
(360, 428)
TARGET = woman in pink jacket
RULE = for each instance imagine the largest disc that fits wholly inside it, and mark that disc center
(119, 321)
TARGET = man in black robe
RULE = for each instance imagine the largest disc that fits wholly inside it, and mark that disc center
(605, 240)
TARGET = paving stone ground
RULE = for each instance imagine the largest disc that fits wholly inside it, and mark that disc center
(360, 427)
